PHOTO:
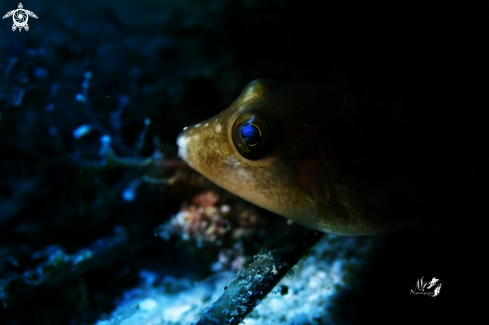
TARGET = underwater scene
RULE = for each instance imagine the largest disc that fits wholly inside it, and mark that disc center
(243, 161)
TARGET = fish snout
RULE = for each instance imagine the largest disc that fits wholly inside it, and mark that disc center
(182, 141)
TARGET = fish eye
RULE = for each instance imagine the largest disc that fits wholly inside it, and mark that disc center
(252, 136)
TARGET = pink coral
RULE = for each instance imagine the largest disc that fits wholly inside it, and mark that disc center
(208, 220)
(216, 220)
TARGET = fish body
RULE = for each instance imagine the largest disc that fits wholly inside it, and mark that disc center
(319, 157)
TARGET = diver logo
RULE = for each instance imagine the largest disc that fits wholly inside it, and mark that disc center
(431, 288)
(20, 17)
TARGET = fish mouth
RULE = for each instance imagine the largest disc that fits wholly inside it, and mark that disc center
(182, 141)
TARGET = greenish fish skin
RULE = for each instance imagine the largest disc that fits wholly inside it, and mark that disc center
(332, 163)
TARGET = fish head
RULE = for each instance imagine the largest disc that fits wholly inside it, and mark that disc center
(253, 149)
(316, 157)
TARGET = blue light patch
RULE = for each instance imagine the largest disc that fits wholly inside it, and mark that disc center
(250, 134)
(81, 131)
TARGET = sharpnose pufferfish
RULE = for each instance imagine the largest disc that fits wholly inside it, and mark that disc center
(321, 158)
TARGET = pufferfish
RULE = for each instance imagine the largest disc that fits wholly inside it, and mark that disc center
(319, 157)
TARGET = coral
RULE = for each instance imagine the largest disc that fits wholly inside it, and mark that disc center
(232, 259)
(212, 220)
(221, 222)
(57, 266)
